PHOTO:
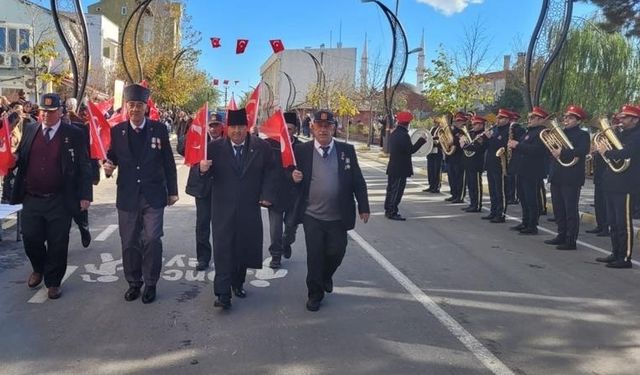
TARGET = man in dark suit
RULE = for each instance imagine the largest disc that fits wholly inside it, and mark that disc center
(496, 168)
(329, 178)
(567, 180)
(399, 166)
(241, 167)
(281, 212)
(200, 189)
(147, 183)
(53, 183)
(434, 164)
(529, 156)
(473, 162)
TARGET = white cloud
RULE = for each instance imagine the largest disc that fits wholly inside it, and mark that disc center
(449, 7)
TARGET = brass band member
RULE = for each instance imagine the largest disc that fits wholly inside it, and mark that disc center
(455, 169)
(511, 180)
(621, 186)
(528, 163)
(495, 139)
(599, 198)
(566, 181)
(473, 164)
(434, 164)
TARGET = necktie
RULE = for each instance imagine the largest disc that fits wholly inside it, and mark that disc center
(47, 134)
(238, 151)
(325, 151)
(137, 129)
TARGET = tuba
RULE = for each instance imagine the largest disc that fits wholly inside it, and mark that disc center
(554, 138)
(607, 137)
(468, 139)
(445, 136)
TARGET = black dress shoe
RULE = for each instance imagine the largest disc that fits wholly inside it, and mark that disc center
(328, 286)
(85, 236)
(449, 199)
(223, 301)
(472, 209)
(276, 262)
(202, 266)
(529, 231)
(149, 294)
(427, 190)
(488, 217)
(313, 305)
(497, 219)
(239, 292)
(604, 233)
(551, 219)
(594, 230)
(54, 292)
(567, 246)
(456, 201)
(518, 227)
(436, 191)
(396, 217)
(132, 293)
(465, 208)
(557, 240)
(619, 264)
(34, 279)
(513, 202)
(608, 259)
(286, 251)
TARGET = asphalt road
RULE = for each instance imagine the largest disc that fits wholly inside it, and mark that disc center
(442, 293)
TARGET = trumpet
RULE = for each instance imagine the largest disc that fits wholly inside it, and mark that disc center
(607, 137)
(479, 136)
(554, 138)
(445, 136)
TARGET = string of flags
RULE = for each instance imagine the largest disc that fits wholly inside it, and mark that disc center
(241, 45)
(225, 82)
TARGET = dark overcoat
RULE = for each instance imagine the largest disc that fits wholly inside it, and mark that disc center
(400, 151)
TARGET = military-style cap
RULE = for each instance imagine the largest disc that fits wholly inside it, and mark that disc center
(404, 117)
(504, 113)
(291, 118)
(478, 120)
(574, 110)
(50, 102)
(460, 116)
(324, 115)
(538, 111)
(237, 117)
(136, 93)
(216, 119)
(630, 110)
(515, 115)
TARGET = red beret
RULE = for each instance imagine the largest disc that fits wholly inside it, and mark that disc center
(404, 117)
(630, 110)
(504, 113)
(460, 116)
(576, 111)
(478, 120)
(538, 111)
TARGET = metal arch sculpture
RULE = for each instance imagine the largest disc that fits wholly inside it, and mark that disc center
(137, 14)
(292, 92)
(546, 42)
(321, 77)
(269, 101)
(76, 15)
(397, 64)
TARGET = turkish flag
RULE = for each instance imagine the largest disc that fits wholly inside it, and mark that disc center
(252, 107)
(154, 113)
(216, 82)
(232, 104)
(241, 45)
(104, 106)
(195, 147)
(215, 42)
(7, 160)
(225, 82)
(99, 133)
(119, 117)
(276, 129)
(276, 45)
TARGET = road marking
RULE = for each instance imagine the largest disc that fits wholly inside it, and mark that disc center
(487, 358)
(106, 232)
(41, 295)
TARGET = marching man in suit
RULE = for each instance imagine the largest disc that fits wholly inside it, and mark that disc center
(330, 178)
(53, 183)
(147, 183)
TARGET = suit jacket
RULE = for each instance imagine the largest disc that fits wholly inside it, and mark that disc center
(629, 180)
(475, 163)
(237, 219)
(74, 165)
(499, 138)
(350, 180)
(154, 175)
(530, 156)
(286, 189)
(400, 151)
(571, 176)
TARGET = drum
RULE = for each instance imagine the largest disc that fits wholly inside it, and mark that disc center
(425, 150)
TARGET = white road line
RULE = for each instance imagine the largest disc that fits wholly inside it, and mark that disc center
(41, 295)
(106, 232)
(487, 358)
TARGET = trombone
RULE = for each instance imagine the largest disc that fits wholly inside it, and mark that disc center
(607, 137)
(554, 138)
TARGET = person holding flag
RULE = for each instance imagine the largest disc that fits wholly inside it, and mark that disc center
(241, 169)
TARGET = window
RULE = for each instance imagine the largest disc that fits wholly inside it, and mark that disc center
(3, 39)
(23, 42)
(123, 11)
(15, 39)
(12, 43)
(106, 52)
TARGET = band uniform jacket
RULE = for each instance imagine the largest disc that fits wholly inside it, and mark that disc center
(286, 190)
(629, 180)
(475, 163)
(154, 175)
(74, 164)
(498, 139)
(236, 209)
(400, 151)
(436, 142)
(575, 175)
(350, 179)
(458, 154)
(517, 134)
(530, 155)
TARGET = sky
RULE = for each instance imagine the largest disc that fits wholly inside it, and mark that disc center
(507, 25)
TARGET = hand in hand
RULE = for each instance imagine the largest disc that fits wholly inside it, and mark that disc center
(297, 176)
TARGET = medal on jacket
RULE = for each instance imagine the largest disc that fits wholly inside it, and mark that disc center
(155, 143)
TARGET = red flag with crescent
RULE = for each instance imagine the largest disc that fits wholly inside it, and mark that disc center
(276, 45)
(7, 160)
(195, 148)
(276, 128)
(216, 82)
(252, 107)
(105, 106)
(215, 42)
(232, 104)
(241, 45)
(99, 133)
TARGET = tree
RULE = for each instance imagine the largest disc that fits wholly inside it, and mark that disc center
(620, 15)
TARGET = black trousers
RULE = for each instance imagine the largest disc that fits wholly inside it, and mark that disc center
(565, 209)
(528, 193)
(81, 219)
(455, 170)
(203, 230)
(434, 171)
(278, 219)
(395, 190)
(496, 193)
(620, 215)
(600, 202)
(229, 270)
(511, 187)
(45, 230)
(326, 246)
(474, 185)
(542, 197)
